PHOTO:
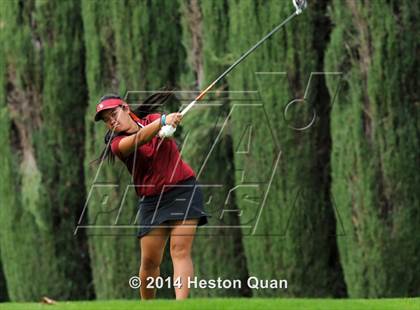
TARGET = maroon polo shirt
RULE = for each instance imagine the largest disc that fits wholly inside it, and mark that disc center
(154, 164)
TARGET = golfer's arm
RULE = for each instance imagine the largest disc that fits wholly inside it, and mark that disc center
(128, 144)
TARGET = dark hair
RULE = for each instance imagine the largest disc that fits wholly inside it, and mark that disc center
(148, 106)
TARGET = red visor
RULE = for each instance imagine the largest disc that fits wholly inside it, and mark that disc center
(107, 104)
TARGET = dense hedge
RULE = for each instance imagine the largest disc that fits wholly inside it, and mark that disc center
(292, 215)
(332, 208)
(131, 46)
(42, 106)
(218, 250)
(375, 153)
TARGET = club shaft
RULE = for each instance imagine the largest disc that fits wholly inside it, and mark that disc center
(237, 62)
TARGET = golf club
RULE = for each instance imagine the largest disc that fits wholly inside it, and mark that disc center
(300, 5)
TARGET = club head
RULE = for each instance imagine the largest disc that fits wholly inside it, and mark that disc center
(300, 5)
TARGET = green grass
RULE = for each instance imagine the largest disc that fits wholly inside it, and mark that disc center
(228, 303)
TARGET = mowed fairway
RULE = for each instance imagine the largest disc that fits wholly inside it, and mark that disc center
(228, 303)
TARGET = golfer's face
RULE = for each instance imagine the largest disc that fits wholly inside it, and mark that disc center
(116, 119)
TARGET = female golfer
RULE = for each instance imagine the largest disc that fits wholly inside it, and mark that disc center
(171, 202)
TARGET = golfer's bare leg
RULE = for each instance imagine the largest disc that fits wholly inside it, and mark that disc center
(152, 248)
(182, 236)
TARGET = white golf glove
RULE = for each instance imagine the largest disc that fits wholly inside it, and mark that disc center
(166, 131)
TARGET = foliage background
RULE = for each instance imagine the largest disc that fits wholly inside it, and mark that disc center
(341, 216)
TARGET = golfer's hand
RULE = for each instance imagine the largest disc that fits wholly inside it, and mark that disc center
(173, 119)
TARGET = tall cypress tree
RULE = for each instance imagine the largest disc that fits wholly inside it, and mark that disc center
(130, 46)
(42, 108)
(3, 285)
(284, 171)
(217, 251)
(375, 152)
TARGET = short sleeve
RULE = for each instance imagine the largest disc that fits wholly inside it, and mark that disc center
(154, 116)
(114, 147)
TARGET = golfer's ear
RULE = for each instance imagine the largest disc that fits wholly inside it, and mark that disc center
(125, 108)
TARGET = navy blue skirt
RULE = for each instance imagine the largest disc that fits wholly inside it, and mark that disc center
(184, 200)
